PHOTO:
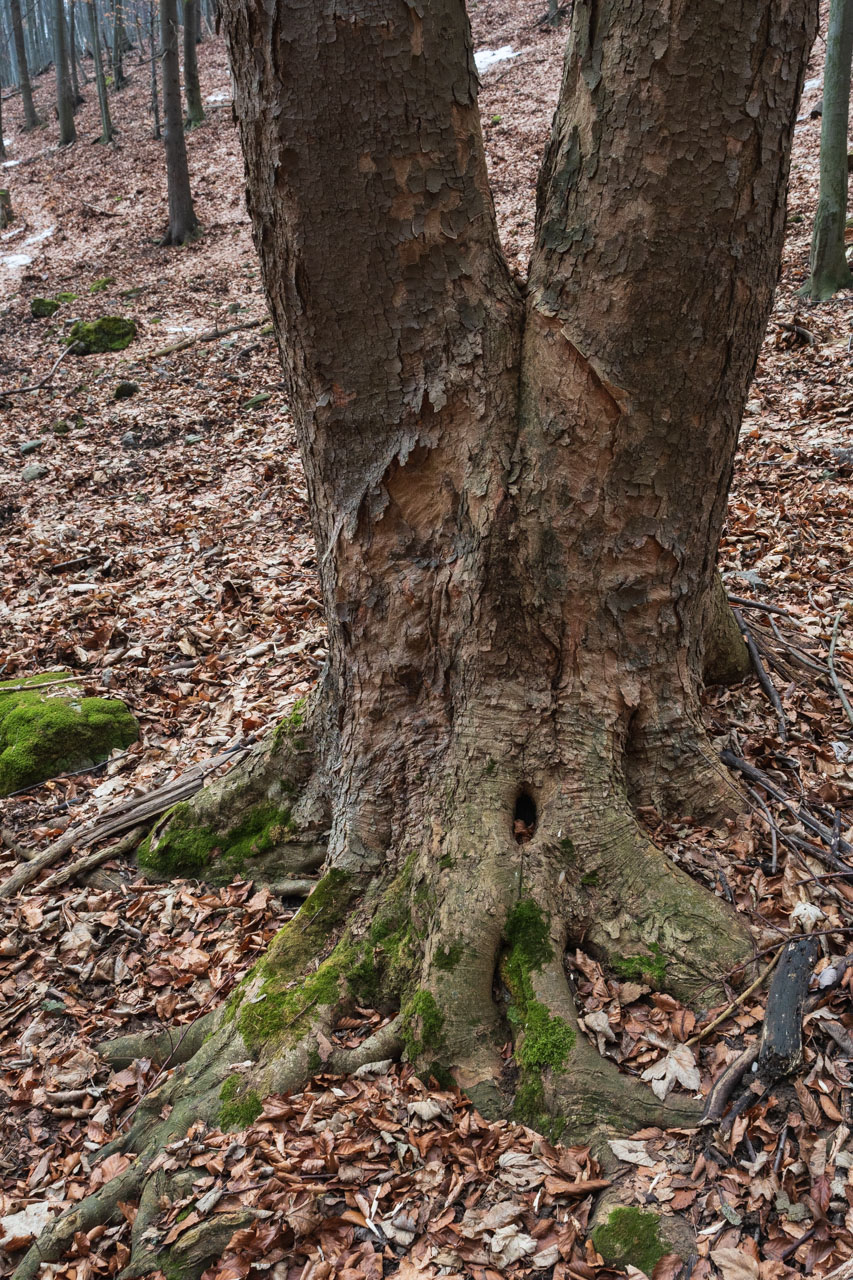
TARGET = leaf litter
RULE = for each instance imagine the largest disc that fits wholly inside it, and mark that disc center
(166, 557)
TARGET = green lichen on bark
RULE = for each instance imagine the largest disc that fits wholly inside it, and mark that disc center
(545, 1041)
(42, 735)
(289, 728)
(185, 849)
(630, 1237)
(447, 958)
(109, 333)
(239, 1107)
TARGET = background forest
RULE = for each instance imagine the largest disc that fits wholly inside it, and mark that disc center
(155, 547)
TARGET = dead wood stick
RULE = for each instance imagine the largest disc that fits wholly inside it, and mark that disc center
(810, 664)
(781, 1050)
(210, 335)
(90, 860)
(19, 850)
(116, 821)
(723, 1088)
(43, 684)
(756, 775)
(763, 678)
(739, 999)
(833, 674)
(36, 386)
(758, 604)
(774, 830)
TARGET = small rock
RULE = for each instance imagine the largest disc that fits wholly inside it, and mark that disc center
(34, 471)
(125, 390)
(42, 307)
(30, 446)
(130, 440)
(193, 439)
(817, 110)
(259, 399)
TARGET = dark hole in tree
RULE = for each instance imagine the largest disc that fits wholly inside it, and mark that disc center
(524, 818)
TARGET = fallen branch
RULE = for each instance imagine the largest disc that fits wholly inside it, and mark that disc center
(763, 678)
(739, 999)
(816, 827)
(43, 684)
(118, 820)
(757, 604)
(210, 335)
(91, 860)
(833, 674)
(36, 386)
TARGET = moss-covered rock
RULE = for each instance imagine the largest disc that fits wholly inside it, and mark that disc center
(46, 731)
(632, 1238)
(102, 283)
(43, 307)
(109, 333)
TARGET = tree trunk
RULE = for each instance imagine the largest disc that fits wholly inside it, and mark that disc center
(192, 88)
(100, 82)
(72, 55)
(2, 143)
(64, 92)
(829, 271)
(31, 119)
(182, 219)
(516, 502)
(119, 78)
(155, 100)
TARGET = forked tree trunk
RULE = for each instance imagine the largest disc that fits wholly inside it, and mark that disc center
(100, 82)
(182, 219)
(31, 119)
(517, 502)
(192, 87)
(828, 269)
(64, 92)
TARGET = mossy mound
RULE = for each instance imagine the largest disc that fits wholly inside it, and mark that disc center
(102, 283)
(632, 1238)
(109, 333)
(43, 735)
(43, 307)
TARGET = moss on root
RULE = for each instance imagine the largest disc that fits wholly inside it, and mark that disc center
(239, 1107)
(545, 1041)
(422, 1025)
(41, 735)
(648, 968)
(290, 727)
(185, 849)
(630, 1237)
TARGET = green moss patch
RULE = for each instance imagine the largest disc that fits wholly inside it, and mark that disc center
(289, 728)
(40, 308)
(545, 1041)
(43, 735)
(185, 849)
(109, 333)
(643, 968)
(240, 1106)
(289, 995)
(423, 1025)
(630, 1238)
(102, 283)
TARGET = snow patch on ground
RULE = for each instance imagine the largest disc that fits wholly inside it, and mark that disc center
(485, 58)
(221, 95)
(12, 264)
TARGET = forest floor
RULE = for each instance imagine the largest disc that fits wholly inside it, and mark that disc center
(162, 553)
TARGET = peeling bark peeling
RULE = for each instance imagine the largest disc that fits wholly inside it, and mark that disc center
(517, 502)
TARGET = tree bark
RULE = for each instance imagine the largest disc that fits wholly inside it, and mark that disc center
(100, 81)
(31, 119)
(119, 78)
(72, 55)
(182, 219)
(516, 502)
(192, 87)
(64, 92)
(155, 101)
(829, 271)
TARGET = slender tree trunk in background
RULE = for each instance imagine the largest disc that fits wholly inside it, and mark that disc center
(31, 119)
(72, 55)
(100, 81)
(192, 87)
(829, 271)
(119, 78)
(2, 143)
(64, 92)
(182, 219)
(155, 99)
